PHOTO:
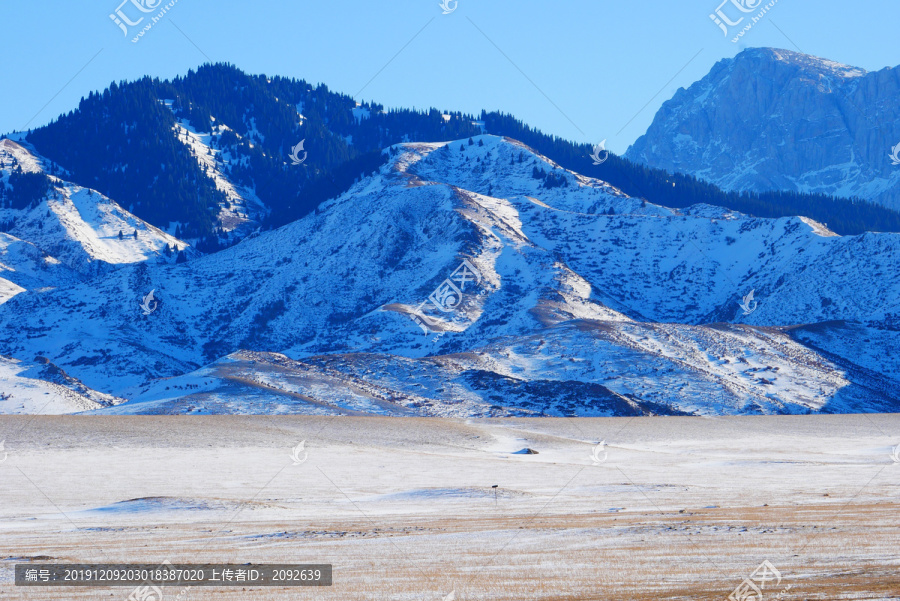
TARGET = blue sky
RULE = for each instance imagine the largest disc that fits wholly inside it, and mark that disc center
(583, 70)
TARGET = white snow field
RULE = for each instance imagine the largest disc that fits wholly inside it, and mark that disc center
(669, 508)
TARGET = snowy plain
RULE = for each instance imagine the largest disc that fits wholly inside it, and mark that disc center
(668, 508)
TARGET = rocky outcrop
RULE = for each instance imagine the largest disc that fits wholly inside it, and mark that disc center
(778, 120)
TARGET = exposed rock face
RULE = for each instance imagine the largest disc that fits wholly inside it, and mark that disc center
(778, 120)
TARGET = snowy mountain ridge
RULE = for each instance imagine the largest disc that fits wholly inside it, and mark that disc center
(589, 302)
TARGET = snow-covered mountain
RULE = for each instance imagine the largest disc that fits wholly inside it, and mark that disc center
(778, 120)
(570, 298)
(61, 238)
(77, 226)
(209, 156)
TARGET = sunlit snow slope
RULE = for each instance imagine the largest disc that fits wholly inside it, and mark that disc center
(78, 226)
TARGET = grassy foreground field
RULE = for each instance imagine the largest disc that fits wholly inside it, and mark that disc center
(668, 508)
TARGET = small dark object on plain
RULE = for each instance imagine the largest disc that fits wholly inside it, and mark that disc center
(526, 451)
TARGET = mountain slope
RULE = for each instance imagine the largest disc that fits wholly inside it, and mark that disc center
(42, 388)
(240, 205)
(778, 120)
(574, 286)
(23, 267)
(85, 230)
